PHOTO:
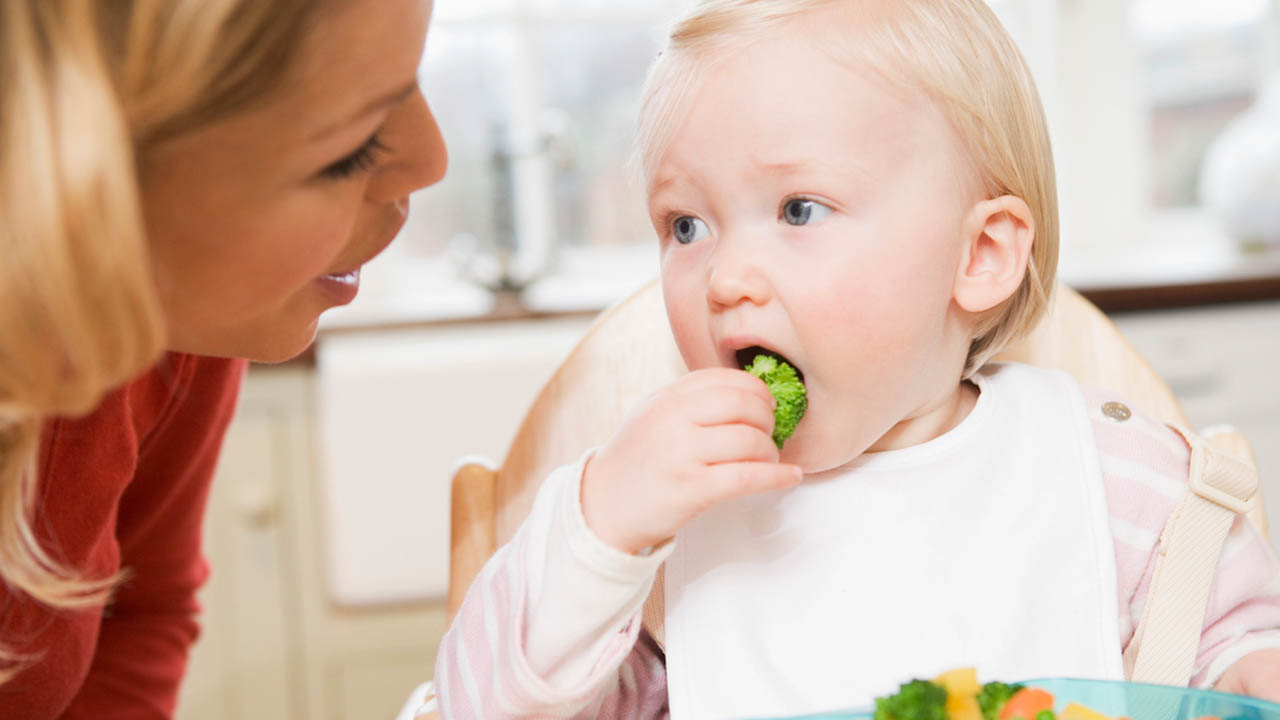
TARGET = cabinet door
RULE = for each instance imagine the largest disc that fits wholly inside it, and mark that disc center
(240, 667)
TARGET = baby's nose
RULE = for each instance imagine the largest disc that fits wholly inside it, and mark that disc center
(736, 277)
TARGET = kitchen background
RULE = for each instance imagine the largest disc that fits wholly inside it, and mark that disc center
(328, 530)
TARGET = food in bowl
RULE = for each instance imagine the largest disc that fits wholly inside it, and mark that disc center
(957, 695)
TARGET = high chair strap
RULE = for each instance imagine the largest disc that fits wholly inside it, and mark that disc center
(653, 616)
(1164, 645)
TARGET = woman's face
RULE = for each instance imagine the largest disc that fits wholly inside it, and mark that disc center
(260, 222)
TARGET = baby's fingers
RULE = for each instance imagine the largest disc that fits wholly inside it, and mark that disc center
(734, 443)
(731, 480)
(727, 406)
(719, 377)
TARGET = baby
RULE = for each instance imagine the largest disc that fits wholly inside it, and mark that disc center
(864, 188)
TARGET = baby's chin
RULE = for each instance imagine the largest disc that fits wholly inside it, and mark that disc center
(815, 454)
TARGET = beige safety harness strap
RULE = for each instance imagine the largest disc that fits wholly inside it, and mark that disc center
(1164, 645)
(652, 616)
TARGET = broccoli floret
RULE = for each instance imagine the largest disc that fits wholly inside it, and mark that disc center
(916, 700)
(787, 389)
(993, 696)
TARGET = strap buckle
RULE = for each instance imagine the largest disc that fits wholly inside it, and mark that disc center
(1222, 478)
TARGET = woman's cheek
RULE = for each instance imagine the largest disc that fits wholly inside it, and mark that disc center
(306, 246)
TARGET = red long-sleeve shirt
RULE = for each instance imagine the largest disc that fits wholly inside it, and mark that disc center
(124, 487)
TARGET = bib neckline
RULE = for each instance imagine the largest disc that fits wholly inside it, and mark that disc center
(930, 451)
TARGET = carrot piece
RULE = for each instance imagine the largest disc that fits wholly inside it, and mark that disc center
(1026, 704)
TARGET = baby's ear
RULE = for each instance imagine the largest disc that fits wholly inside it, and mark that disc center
(997, 242)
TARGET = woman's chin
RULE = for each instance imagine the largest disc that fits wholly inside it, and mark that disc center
(284, 349)
(260, 344)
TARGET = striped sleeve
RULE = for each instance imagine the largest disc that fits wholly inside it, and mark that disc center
(550, 628)
(1144, 468)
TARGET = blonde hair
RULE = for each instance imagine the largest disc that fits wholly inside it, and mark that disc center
(957, 53)
(88, 87)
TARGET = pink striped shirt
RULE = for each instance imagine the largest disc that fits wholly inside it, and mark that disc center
(584, 629)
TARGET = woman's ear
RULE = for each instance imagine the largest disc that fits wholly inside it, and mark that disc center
(997, 242)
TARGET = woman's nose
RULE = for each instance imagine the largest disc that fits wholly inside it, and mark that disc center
(736, 276)
(418, 156)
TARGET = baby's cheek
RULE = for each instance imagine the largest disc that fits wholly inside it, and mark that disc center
(695, 348)
(686, 314)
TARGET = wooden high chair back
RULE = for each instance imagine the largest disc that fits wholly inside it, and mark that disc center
(629, 353)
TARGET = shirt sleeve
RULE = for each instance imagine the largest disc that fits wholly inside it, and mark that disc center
(551, 625)
(1145, 465)
(150, 624)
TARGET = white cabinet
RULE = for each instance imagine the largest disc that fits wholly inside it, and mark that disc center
(247, 661)
(1223, 363)
(396, 411)
(278, 643)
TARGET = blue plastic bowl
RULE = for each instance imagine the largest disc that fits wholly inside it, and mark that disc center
(1125, 699)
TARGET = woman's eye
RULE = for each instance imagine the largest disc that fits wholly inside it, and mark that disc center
(364, 158)
(798, 211)
(687, 228)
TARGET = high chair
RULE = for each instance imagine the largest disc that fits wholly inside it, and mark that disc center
(628, 353)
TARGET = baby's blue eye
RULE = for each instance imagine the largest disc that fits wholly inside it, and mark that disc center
(798, 211)
(687, 228)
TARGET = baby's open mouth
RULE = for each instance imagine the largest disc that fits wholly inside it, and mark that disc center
(744, 357)
(785, 384)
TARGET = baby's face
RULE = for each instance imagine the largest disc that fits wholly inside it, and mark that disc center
(810, 208)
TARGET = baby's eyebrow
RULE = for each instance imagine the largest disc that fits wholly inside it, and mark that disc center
(665, 188)
(779, 167)
(852, 170)
(661, 185)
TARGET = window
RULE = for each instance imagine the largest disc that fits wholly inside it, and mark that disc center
(1137, 92)
(1202, 64)
(537, 100)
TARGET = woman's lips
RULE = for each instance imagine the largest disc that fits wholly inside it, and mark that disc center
(341, 288)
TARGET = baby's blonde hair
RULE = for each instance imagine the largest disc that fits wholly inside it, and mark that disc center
(956, 52)
(88, 86)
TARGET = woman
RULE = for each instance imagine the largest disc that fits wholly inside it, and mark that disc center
(186, 184)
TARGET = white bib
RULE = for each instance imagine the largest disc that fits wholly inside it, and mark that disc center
(989, 546)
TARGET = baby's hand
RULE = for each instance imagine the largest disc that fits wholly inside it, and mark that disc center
(701, 440)
(1256, 674)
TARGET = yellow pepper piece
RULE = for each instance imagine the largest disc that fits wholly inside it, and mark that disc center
(962, 689)
(1076, 711)
(961, 681)
(963, 707)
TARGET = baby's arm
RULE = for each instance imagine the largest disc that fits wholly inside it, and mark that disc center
(1256, 674)
(550, 624)
(1144, 468)
(556, 612)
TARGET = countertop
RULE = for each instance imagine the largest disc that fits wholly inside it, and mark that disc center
(401, 294)
(1184, 262)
